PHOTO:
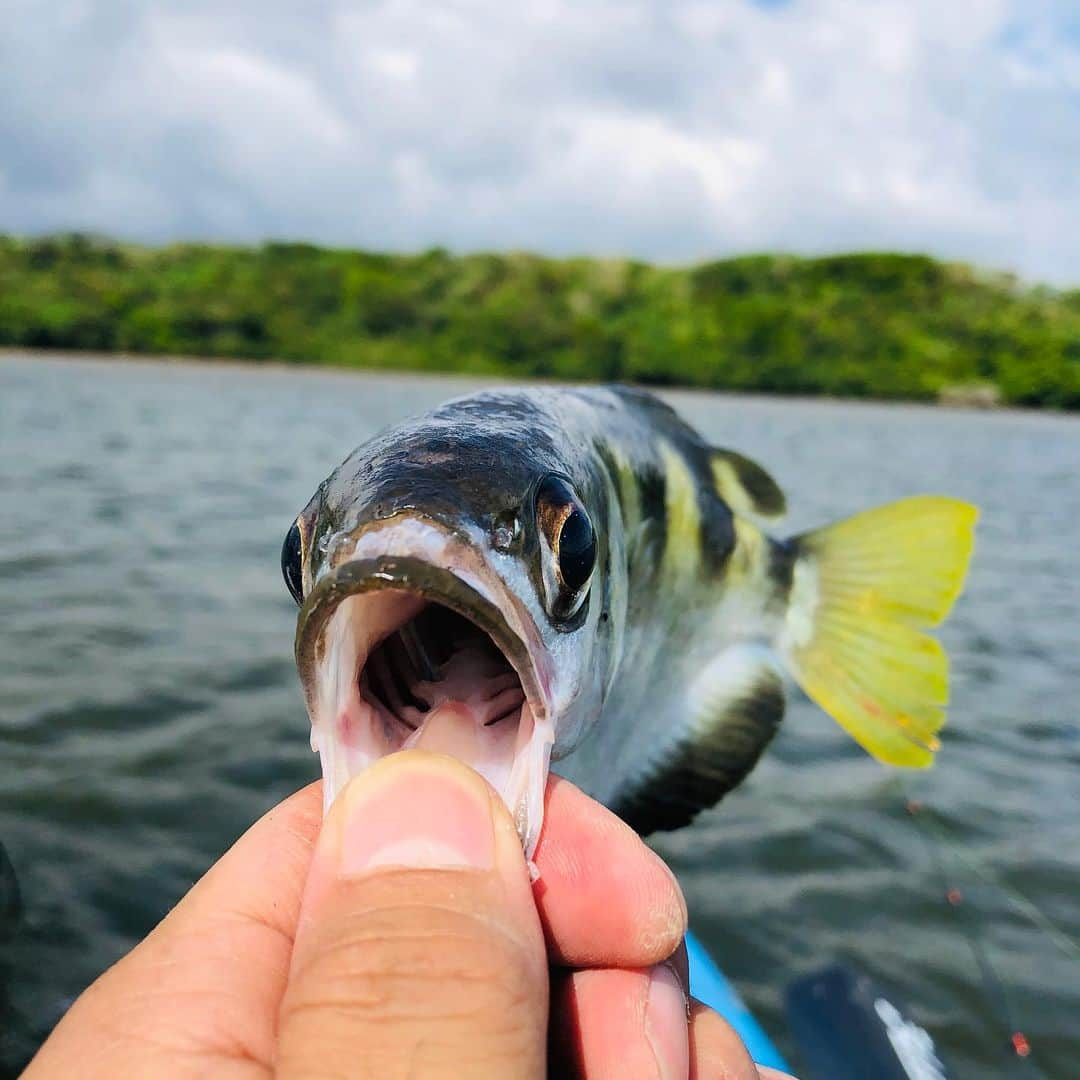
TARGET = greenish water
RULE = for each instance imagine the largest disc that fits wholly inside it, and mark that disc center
(149, 708)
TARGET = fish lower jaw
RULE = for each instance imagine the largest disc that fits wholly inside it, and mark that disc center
(399, 673)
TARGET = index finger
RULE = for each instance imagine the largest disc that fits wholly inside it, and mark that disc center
(605, 899)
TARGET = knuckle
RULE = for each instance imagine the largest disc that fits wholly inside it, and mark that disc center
(400, 965)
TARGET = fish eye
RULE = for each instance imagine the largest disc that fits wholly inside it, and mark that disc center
(569, 536)
(291, 555)
(577, 549)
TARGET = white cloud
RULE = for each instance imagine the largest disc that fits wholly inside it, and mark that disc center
(666, 129)
(397, 64)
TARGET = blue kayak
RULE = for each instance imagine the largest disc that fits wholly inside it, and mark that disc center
(709, 986)
(845, 1024)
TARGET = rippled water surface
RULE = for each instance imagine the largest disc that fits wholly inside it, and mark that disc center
(149, 709)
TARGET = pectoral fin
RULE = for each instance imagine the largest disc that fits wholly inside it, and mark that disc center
(862, 590)
(735, 706)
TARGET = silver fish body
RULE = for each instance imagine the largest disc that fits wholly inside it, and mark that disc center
(574, 576)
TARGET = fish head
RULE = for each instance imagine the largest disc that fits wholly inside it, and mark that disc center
(454, 581)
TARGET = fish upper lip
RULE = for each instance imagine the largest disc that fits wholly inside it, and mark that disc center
(410, 573)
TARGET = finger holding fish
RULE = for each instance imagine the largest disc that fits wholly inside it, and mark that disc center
(641, 1024)
(605, 898)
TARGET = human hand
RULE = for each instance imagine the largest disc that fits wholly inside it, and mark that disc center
(405, 938)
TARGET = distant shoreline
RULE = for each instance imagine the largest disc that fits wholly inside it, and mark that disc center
(231, 363)
(880, 326)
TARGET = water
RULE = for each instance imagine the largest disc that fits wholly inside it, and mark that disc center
(149, 708)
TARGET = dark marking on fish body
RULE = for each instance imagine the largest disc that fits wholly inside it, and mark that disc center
(717, 531)
(782, 555)
(652, 497)
(708, 764)
(717, 523)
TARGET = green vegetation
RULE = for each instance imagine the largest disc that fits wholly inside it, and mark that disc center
(877, 325)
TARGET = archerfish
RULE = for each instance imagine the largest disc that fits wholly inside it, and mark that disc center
(574, 577)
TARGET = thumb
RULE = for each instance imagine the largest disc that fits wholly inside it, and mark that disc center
(418, 949)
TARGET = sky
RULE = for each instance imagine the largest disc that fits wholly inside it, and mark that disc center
(670, 130)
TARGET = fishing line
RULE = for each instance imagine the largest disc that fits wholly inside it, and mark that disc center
(1027, 907)
(936, 839)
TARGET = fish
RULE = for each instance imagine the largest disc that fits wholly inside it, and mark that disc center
(573, 580)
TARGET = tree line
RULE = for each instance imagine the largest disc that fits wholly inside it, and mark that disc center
(868, 325)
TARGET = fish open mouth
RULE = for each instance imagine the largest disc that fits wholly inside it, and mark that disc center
(438, 658)
(401, 651)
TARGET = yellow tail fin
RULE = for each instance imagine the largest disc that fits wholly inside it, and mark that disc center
(862, 589)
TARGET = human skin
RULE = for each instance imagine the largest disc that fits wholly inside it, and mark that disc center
(403, 938)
